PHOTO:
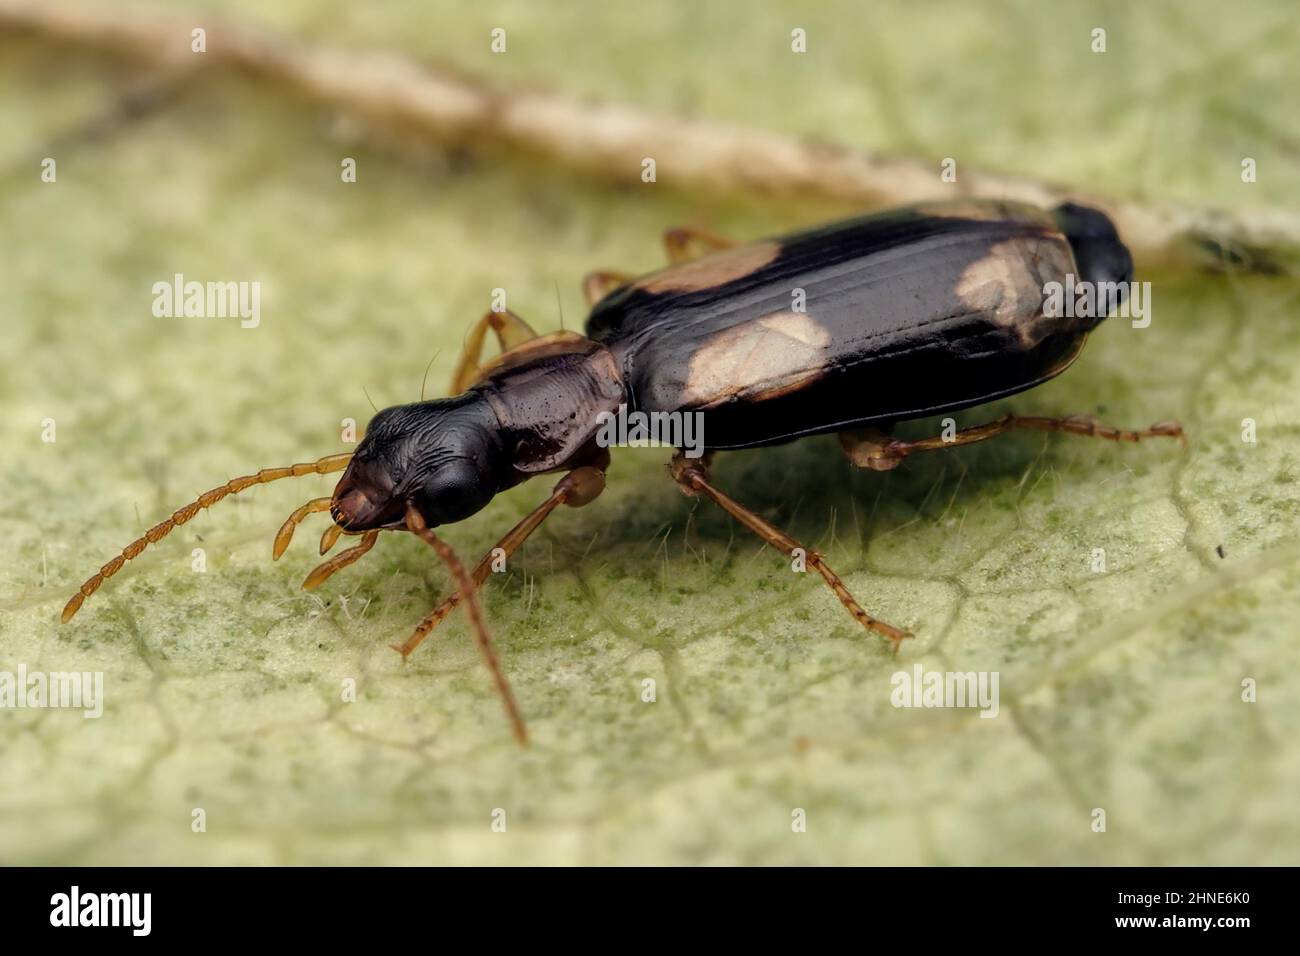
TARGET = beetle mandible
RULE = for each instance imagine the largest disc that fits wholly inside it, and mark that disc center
(906, 314)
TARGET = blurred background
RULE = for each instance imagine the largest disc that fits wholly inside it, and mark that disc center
(224, 690)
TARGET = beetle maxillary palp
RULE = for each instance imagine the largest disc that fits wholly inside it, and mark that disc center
(285, 534)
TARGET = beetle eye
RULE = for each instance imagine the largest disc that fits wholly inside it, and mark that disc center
(452, 493)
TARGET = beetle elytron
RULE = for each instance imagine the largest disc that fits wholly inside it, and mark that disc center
(906, 314)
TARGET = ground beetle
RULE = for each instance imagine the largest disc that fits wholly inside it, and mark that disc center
(899, 315)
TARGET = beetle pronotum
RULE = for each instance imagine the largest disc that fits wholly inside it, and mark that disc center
(907, 313)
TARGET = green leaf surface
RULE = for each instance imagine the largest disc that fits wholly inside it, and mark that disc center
(1120, 689)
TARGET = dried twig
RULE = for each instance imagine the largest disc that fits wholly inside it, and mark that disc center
(612, 140)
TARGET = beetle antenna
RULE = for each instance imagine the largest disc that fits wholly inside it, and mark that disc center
(469, 598)
(234, 486)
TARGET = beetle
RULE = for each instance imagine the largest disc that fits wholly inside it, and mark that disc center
(849, 328)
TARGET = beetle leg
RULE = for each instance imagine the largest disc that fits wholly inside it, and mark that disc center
(466, 587)
(597, 285)
(691, 476)
(687, 242)
(511, 331)
(579, 487)
(874, 449)
(340, 561)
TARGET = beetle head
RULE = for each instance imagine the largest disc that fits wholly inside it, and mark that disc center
(1098, 251)
(438, 455)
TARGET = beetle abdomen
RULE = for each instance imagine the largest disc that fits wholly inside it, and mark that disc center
(883, 318)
